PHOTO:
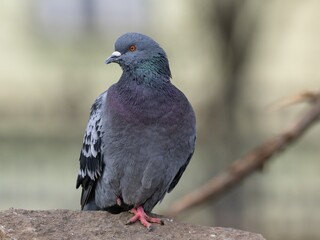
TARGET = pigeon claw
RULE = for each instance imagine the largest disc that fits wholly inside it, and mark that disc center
(118, 201)
(145, 220)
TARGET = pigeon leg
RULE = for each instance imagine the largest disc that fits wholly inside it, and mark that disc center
(139, 214)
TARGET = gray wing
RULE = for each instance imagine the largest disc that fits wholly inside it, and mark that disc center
(91, 163)
(183, 168)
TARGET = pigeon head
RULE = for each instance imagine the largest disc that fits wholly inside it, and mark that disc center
(139, 54)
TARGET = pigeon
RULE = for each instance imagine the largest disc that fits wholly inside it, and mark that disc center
(140, 135)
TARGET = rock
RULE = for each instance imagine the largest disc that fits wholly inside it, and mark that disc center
(68, 224)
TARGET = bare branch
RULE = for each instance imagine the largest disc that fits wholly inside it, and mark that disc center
(300, 97)
(252, 161)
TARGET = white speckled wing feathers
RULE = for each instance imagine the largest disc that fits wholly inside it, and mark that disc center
(91, 163)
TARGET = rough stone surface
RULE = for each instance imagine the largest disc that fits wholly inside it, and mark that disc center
(67, 224)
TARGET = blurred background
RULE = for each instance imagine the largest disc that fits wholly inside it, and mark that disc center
(231, 58)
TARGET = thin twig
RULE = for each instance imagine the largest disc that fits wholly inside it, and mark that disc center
(300, 97)
(252, 161)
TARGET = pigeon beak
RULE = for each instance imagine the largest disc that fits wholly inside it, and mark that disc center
(113, 57)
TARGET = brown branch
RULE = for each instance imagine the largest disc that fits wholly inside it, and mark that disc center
(302, 96)
(252, 161)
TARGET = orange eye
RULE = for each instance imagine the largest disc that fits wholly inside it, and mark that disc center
(132, 48)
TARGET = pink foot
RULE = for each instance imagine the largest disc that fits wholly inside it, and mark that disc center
(145, 220)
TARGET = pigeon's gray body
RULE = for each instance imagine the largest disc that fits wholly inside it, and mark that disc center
(140, 135)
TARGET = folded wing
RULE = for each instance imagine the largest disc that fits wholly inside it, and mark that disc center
(91, 163)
